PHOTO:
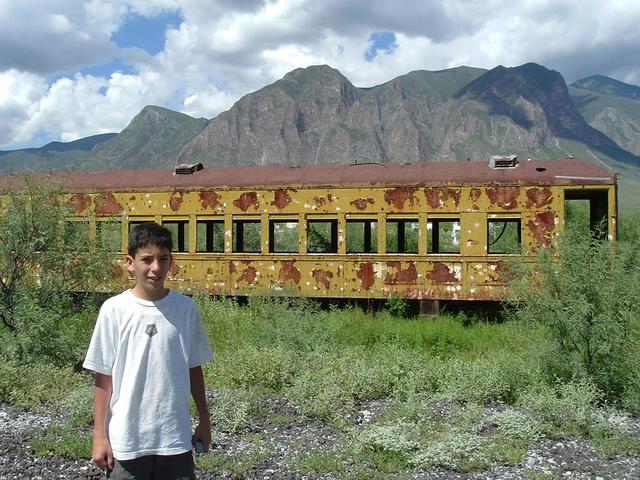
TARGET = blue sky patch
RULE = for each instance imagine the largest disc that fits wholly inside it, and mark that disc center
(380, 41)
(147, 33)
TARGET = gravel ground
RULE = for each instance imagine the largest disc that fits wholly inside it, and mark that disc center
(271, 443)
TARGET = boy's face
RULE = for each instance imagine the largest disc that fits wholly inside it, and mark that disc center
(150, 265)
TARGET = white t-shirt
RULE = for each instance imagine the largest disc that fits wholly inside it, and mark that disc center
(147, 348)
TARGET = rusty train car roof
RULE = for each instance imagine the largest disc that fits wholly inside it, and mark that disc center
(567, 171)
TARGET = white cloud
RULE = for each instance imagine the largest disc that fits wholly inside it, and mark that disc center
(226, 48)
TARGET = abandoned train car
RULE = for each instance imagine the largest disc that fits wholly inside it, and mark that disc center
(427, 231)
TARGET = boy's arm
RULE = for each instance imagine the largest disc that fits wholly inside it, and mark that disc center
(203, 430)
(102, 454)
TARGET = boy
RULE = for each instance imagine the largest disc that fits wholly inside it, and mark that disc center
(147, 350)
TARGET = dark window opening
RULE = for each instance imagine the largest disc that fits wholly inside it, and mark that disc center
(246, 236)
(135, 223)
(283, 236)
(179, 234)
(443, 235)
(503, 235)
(322, 236)
(362, 236)
(402, 236)
(588, 211)
(109, 236)
(210, 236)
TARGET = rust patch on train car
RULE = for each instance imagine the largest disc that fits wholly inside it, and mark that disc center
(408, 275)
(323, 276)
(232, 267)
(441, 273)
(281, 198)
(475, 194)
(539, 197)
(541, 228)
(249, 274)
(176, 200)
(246, 200)
(366, 275)
(80, 202)
(361, 203)
(437, 197)
(289, 272)
(132, 198)
(209, 200)
(175, 269)
(505, 197)
(322, 201)
(399, 196)
(106, 204)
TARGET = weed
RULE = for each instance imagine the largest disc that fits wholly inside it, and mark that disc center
(231, 411)
(64, 441)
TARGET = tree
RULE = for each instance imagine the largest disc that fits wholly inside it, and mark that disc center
(587, 293)
(44, 257)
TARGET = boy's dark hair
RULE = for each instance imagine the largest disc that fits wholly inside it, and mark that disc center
(148, 233)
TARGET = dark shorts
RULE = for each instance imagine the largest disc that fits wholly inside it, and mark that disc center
(154, 467)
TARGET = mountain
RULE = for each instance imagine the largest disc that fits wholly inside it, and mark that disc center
(316, 115)
(611, 106)
(537, 100)
(152, 139)
(52, 156)
(608, 86)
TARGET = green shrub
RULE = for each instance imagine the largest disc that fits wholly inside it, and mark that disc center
(396, 306)
(231, 412)
(77, 406)
(31, 386)
(588, 295)
(62, 441)
(567, 408)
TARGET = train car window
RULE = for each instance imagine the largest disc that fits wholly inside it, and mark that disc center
(77, 235)
(402, 235)
(109, 236)
(210, 236)
(322, 236)
(246, 236)
(283, 236)
(503, 235)
(179, 234)
(135, 223)
(362, 236)
(443, 235)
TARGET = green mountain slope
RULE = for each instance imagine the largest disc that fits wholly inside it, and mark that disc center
(612, 107)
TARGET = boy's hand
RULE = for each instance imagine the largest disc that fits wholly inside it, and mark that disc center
(102, 454)
(202, 433)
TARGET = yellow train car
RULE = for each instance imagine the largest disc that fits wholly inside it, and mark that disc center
(427, 231)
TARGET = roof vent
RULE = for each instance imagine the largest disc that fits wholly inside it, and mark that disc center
(503, 161)
(187, 168)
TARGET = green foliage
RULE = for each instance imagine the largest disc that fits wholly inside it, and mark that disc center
(43, 258)
(588, 295)
(563, 408)
(30, 386)
(396, 306)
(239, 464)
(231, 411)
(77, 406)
(62, 441)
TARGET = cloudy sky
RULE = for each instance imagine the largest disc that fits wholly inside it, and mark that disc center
(74, 68)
